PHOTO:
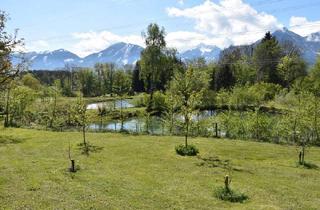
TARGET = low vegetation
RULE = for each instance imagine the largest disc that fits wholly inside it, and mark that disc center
(143, 172)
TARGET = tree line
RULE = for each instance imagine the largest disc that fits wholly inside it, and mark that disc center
(246, 83)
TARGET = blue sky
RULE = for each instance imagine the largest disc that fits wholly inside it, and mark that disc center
(85, 26)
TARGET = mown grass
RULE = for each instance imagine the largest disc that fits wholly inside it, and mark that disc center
(144, 172)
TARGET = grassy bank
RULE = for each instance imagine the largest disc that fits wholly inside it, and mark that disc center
(143, 172)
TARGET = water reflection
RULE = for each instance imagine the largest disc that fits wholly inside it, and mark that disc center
(112, 104)
(137, 125)
(154, 125)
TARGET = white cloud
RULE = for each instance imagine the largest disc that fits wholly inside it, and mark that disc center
(303, 27)
(232, 21)
(39, 45)
(181, 2)
(184, 40)
(92, 42)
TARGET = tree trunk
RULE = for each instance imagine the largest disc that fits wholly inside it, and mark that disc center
(216, 130)
(303, 153)
(187, 132)
(84, 135)
(73, 167)
(100, 123)
(227, 183)
(121, 115)
(316, 119)
(7, 120)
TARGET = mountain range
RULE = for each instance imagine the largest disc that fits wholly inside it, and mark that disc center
(124, 53)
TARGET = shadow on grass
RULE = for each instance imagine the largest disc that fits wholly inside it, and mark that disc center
(88, 148)
(4, 140)
(216, 162)
(308, 165)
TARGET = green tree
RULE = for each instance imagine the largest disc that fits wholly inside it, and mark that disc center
(102, 112)
(8, 43)
(122, 85)
(157, 62)
(266, 58)
(290, 68)
(30, 81)
(137, 82)
(80, 111)
(87, 82)
(225, 74)
(188, 88)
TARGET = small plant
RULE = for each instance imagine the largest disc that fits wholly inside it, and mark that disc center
(189, 150)
(72, 168)
(227, 194)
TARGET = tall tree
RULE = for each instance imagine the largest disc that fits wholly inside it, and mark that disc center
(266, 58)
(137, 82)
(152, 57)
(87, 82)
(224, 76)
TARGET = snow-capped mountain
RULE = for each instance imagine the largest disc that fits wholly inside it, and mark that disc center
(315, 37)
(120, 54)
(49, 60)
(208, 52)
(309, 46)
(124, 53)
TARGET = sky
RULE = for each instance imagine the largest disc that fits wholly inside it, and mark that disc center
(87, 26)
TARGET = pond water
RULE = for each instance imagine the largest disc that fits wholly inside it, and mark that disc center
(112, 104)
(139, 125)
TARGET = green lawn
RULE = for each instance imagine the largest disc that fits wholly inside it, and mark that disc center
(143, 172)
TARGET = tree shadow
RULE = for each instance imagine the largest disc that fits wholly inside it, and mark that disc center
(216, 162)
(4, 140)
(309, 165)
(213, 162)
(88, 148)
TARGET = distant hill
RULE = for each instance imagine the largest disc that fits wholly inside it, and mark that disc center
(309, 45)
(120, 54)
(124, 53)
(208, 52)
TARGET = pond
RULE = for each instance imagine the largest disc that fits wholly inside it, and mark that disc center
(136, 125)
(112, 104)
(139, 125)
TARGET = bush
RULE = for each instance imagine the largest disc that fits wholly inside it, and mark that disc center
(141, 100)
(189, 150)
(158, 104)
(230, 195)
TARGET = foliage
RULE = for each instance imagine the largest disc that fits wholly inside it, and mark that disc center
(189, 150)
(87, 82)
(8, 43)
(158, 105)
(230, 195)
(291, 68)
(137, 82)
(188, 88)
(157, 62)
(30, 81)
(266, 58)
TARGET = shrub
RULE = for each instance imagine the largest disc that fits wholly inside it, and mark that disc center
(230, 195)
(158, 104)
(189, 150)
(141, 100)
